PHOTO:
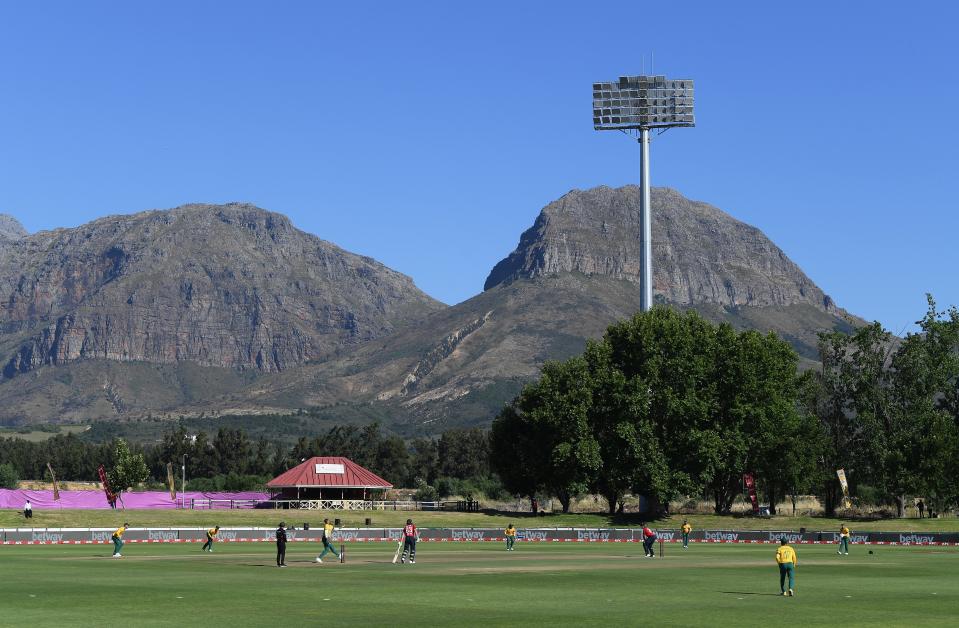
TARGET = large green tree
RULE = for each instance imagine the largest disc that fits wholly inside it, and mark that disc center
(564, 456)
(129, 469)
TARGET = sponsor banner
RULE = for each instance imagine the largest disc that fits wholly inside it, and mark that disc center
(39, 536)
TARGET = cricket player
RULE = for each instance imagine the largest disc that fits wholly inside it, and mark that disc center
(327, 541)
(686, 529)
(281, 545)
(843, 540)
(409, 542)
(649, 538)
(510, 533)
(787, 561)
(210, 537)
(117, 539)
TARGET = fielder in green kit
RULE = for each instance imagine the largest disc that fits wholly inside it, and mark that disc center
(510, 534)
(787, 560)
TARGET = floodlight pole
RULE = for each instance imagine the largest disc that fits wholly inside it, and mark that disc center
(645, 210)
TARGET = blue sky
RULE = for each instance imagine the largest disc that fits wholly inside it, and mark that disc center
(429, 135)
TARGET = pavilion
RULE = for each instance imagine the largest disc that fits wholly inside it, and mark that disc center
(327, 483)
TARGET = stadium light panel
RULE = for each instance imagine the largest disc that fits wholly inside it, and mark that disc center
(636, 102)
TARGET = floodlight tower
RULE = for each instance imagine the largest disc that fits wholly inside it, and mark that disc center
(634, 105)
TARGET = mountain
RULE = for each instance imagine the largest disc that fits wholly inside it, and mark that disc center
(701, 255)
(223, 286)
(574, 272)
(10, 228)
(208, 310)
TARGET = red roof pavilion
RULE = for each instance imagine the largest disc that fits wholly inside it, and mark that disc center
(328, 472)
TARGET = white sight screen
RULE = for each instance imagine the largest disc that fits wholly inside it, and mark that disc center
(634, 102)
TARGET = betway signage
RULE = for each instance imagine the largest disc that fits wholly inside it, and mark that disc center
(38, 536)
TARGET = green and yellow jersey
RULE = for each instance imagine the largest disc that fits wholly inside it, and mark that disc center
(687, 528)
(328, 531)
(510, 531)
(119, 533)
(785, 555)
(844, 531)
(212, 532)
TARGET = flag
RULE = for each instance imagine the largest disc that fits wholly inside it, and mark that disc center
(751, 487)
(169, 479)
(845, 488)
(106, 486)
(56, 487)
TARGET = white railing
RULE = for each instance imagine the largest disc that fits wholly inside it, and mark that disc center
(210, 504)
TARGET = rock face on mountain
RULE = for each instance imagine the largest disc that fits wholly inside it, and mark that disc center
(214, 310)
(701, 255)
(216, 285)
(575, 272)
(10, 228)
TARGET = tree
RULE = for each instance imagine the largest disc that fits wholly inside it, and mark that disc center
(9, 478)
(550, 419)
(463, 453)
(232, 450)
(424, 464)
(129, 469)
(632, 458)
(829, 395)
(891, 401)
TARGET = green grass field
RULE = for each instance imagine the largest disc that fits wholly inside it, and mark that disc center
(48, 518)
(474, 585)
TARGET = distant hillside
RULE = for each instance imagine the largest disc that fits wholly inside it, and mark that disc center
(574, 272)
(209, 310)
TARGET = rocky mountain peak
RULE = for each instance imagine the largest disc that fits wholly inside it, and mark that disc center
(217, 285)
(10, 228)
(701, 255)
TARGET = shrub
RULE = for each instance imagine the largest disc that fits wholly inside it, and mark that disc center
(425, 492)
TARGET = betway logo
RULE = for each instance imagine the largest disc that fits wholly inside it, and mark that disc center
(853, 538)
(533, 535)
(227, 535)
(592, 536)
(721, 536)
(347, 535)
(666, 536)
(161, 535)
(46, 536)
(790, 537)
(471, 535)
(916, 538)
(100, 536)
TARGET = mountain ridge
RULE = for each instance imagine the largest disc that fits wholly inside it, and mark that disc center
(391, 353)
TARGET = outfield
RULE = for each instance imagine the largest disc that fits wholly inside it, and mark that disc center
(473, 584)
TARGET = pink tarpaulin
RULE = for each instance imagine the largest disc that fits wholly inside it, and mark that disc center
(85, 500)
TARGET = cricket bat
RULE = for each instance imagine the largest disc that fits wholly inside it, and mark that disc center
(399, 547)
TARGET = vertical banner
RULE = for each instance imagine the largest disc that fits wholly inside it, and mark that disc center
(106, 486)
(56, 487)
(169, 479)
(846, 503)
(751, 488)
